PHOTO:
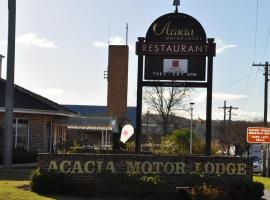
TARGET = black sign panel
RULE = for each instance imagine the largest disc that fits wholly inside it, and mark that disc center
(176, 27)
(175, 48)
(173, 84)
(184, 68)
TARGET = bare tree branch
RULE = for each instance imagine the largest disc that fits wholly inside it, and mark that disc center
(164, 102)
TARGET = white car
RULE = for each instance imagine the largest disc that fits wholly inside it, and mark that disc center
(257, 166)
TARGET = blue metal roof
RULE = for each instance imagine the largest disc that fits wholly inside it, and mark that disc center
(90, 110)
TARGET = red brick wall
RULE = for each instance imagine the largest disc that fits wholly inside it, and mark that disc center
(37, 126)
(172, 179)
(117, 81)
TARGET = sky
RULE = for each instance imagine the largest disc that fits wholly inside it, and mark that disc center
(62, 52)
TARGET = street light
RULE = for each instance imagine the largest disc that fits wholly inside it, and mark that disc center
(191, 116)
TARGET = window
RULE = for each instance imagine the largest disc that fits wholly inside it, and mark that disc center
(21, 134)
(61, 134)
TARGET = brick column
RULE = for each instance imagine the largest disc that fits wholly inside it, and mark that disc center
(117, 81)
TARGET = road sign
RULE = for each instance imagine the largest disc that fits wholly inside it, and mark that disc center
(258, 135)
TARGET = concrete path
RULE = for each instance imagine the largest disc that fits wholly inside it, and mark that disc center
(266, 195)
(23, 166)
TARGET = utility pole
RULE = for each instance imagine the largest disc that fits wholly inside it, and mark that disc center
(191, 127)
(266, 80)
(9, 98)
(224, 121)
(230, 118)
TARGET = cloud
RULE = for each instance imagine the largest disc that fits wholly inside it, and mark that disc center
(116, 40)
(222, 96)
(247, 116)
(3, 47)
(222, 46)
(219, 96)
(50, 92)
(31, 39)
(100, 44)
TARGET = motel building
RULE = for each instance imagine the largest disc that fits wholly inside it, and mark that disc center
(41, 125)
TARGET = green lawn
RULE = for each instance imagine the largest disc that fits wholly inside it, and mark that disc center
(14, 185)
(263, 180)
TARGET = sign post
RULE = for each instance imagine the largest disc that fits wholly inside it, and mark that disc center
(9, 96)
(173, 54)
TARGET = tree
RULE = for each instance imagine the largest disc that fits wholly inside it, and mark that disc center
(165, 102)
(237, 136)
(178, 143)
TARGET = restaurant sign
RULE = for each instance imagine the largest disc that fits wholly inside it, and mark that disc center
(175, 48)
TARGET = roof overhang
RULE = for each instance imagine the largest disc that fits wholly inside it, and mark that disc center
(40, 112)
(90, 128)
(89, 123)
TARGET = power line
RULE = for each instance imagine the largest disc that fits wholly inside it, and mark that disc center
(250, 82)
(250, 90)
(257, 100)
(233, 82)
(256, 29)
(266, 42)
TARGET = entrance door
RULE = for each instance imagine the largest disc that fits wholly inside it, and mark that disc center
(49, 136)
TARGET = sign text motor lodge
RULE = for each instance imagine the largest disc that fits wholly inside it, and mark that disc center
(138, 167)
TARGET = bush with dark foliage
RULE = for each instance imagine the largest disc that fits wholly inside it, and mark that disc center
(50, 182)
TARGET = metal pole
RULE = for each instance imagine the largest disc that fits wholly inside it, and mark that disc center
(191, 129)
(9, 98)
(266, 94)
(224, 125)
(265, 166)
(139, 103)
(208, 135)
(266, 68)
(1, 57)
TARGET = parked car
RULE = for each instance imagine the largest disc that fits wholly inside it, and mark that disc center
(257, 166)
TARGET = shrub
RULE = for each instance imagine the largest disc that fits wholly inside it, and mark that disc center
(212, 187)
(50, 182)
(150, 183)
(177, 143)
(257, 190)
(56, 183)
(198, 180)
(244, 190)
(205, 193)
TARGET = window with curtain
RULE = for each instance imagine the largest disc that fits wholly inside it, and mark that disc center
(21, 134)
